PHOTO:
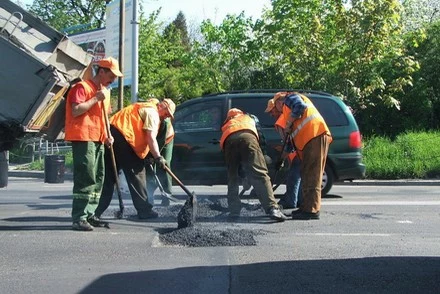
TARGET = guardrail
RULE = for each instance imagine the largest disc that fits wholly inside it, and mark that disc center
(42, 147)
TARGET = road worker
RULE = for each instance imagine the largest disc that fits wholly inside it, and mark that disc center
(134, 129)
(85, 128)
(292, 197)
(165, 140)
(310, 136)
(240, 144)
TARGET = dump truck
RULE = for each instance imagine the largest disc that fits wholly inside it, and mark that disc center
(38, 64)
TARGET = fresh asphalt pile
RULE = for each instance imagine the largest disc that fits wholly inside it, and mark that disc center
(204, 233)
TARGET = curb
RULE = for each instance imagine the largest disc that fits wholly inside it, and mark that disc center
(33, 174)
(366, 182)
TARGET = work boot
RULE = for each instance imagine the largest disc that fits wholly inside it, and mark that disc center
(97, 222)
(82, 225)
(276, 214)
(303, 215)
(148, 215)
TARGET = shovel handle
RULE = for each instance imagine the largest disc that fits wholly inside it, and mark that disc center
(112, 154)
(168, 170)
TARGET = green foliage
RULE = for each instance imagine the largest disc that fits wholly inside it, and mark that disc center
(67, 14)
(409, 155)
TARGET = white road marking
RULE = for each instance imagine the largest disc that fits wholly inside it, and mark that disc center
(404, 203)
(343, 234)
(405, 222)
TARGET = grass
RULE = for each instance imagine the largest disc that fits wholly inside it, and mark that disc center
(410, 156)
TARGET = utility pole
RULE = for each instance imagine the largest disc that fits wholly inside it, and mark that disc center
(121, 52)
(135, 53)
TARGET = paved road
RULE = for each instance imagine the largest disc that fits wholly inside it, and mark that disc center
(371, 239)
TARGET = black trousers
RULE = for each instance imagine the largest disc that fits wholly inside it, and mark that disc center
(134, 171)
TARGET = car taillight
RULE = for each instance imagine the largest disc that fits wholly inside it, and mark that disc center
(355, 140)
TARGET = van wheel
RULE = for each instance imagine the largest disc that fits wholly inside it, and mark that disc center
(327, 180)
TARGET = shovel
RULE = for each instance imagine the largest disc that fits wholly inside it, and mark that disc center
(162, 190)
(120, 213)
(187, 215)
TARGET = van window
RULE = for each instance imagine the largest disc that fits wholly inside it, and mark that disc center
(202, 116)
(255, 106)
(331, 111)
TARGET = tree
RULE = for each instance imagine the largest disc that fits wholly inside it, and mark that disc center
(68, 14)
(419, 13)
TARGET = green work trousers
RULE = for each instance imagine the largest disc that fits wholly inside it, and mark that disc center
(242, 148)
(88, 178)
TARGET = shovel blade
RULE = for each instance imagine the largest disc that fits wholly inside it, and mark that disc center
(187, 215)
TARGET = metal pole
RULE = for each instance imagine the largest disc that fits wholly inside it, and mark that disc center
(135, 53)
(121, 52)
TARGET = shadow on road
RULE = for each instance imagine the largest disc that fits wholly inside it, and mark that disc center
(358, 275)
(38, 223)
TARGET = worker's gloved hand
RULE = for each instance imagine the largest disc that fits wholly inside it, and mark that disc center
(160, 161)
(268, 159)
(289, 127)
(279, 165)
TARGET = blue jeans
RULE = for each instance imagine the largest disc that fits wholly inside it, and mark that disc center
(293, 183)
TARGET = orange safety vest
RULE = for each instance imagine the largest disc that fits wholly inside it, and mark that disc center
(280, 125)
(90, 126)
(309, 126)
(129, 123)
(235, 124)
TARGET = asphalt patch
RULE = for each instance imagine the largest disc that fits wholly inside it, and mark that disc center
(198, 236)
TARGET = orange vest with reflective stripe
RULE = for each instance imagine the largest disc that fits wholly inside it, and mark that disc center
(90, 126)
(309, 126)
(235, 124)
(129, 123)
(280, 125)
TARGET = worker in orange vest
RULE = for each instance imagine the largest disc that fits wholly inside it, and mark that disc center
(85, 128)
(311, 137)
(165, 140)
(134, 129)
(292, 197)
(240, 144)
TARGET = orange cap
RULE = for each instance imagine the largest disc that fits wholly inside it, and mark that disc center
(233, 112)
(270, 105)
(111, 64)
(279, 95)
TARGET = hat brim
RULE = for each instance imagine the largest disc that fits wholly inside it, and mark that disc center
(169, 109)
(116, 72)
(169, 112)
(269, 108)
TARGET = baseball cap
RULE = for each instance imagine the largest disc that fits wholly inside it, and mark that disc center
(270, 105)
(171, 106)
(233, 112)
(111, 64)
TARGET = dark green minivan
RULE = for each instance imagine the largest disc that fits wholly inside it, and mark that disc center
(198, 160)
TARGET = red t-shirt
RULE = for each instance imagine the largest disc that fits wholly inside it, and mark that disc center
(78, 94)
